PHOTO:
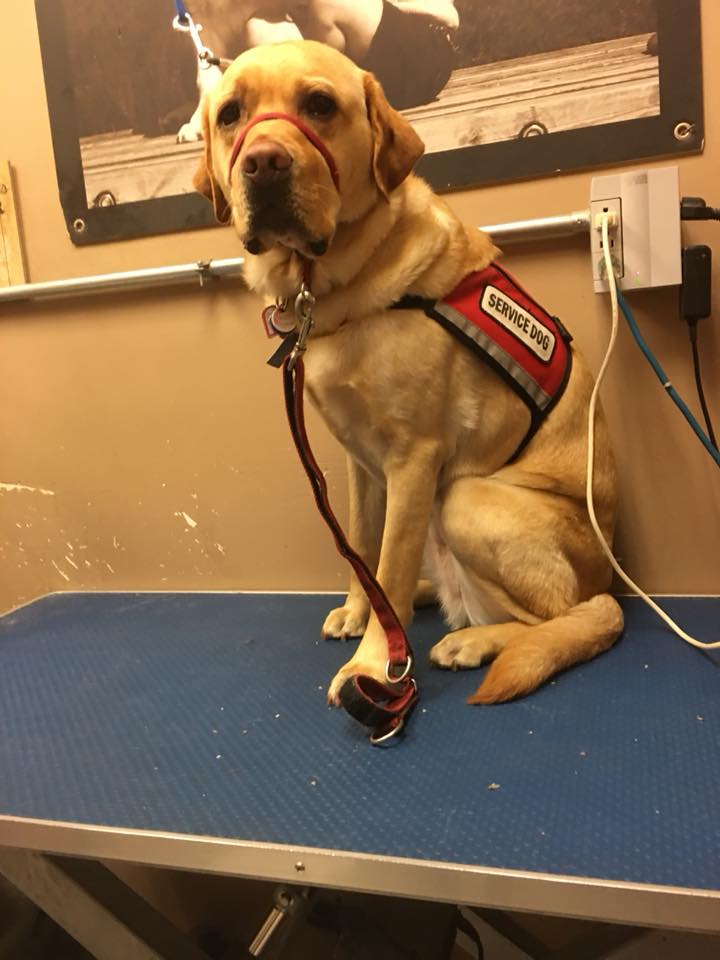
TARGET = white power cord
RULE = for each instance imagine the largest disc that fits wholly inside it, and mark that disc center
(612, 284)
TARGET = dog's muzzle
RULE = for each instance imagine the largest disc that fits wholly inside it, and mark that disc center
(306, 131)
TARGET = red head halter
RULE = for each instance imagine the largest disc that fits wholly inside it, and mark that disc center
(307, 132)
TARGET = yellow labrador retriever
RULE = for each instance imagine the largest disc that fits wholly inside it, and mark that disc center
(430, 430)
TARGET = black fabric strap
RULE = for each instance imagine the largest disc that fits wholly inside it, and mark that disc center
(376, 704)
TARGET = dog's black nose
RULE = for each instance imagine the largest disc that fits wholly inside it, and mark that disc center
(318, 247)
(266, 161)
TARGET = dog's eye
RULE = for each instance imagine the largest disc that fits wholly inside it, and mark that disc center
(229, 114)
(319, 105)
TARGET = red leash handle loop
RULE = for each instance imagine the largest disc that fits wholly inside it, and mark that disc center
(306, 131)
(381, 706)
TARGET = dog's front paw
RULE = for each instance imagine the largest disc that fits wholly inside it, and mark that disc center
(344, 622)
(354, 667)
(189, 132)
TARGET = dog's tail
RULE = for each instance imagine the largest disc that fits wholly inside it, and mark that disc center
(532, 654)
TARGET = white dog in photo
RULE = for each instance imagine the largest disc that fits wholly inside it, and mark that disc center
(407, 44)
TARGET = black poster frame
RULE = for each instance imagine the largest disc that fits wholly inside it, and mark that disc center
(677, 130)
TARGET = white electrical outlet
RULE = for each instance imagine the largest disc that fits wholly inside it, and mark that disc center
(646, 244)
(611, 205)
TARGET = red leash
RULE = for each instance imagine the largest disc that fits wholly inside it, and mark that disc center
(382, 706)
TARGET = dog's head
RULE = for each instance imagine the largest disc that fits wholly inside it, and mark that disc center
(337, 150)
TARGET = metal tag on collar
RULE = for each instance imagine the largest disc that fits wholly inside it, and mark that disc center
(304, 303)
(275, 321)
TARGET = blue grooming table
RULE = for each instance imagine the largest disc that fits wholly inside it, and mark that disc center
(191, 731)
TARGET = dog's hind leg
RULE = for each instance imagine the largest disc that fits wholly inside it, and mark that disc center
(533, 653)
(471, 647)
(528, 654)
(534, 556)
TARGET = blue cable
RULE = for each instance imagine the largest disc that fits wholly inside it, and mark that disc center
(663, 378)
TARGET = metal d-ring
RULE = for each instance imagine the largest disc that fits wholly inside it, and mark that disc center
(403, 675)
(375, 738)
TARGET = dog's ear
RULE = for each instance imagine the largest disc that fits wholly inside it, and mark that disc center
(396, 146)
(204, 179)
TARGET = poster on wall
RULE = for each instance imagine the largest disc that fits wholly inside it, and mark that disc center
(497, 91)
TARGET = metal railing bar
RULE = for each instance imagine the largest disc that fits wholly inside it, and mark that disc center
(520, 230)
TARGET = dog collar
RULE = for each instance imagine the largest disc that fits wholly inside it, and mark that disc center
(306, 131)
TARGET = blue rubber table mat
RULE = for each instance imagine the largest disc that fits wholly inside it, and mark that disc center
(205, 714)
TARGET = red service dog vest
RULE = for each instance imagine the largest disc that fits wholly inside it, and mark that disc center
(492, 315)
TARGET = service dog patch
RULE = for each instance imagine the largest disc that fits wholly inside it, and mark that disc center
(501, 323)
(527, 327)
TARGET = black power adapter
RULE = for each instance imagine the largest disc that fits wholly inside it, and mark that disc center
(696, 304)
(696, 289)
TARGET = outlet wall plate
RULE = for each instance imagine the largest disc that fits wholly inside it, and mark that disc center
(617, 252)
(647, 243)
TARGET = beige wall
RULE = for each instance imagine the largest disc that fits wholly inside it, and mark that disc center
(136, 410)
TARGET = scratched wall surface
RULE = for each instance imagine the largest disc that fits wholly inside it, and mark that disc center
(143, 454)
(142, 440)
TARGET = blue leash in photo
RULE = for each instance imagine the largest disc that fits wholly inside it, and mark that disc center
(183, 22)
(182, 14)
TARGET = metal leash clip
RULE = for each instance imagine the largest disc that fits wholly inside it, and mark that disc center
(204, 54)
(304, 303)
